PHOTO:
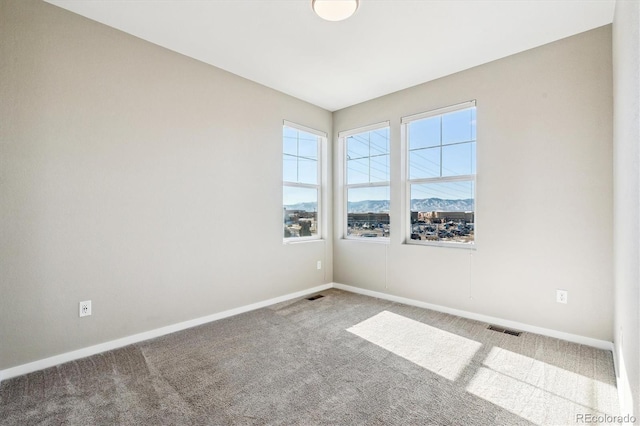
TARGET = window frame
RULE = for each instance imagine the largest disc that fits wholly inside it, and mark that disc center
(404, 123)
(319, 186)
(342, 138)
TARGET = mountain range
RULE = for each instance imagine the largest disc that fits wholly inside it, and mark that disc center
(378, 206)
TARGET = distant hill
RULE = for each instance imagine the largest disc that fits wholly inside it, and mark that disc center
(308, 206)
(378, 206)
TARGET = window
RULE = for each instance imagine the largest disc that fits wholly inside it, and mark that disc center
(441, 175)
(301, 182)
(366, 153)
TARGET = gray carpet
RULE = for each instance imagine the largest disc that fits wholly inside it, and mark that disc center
(343, 359)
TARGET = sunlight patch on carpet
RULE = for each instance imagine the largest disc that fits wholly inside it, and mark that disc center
(439, 351)
(539, 392)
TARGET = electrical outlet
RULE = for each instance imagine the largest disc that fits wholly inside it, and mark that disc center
(85, 308)
(319, 264)
(562, 296)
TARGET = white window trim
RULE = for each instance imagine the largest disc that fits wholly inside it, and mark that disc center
(439, 111)
(306, 129)
(344, 187)
(321, 218)
(406, 182)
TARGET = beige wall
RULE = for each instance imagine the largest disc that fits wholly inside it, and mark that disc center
(128, 173)
(544, 192)
(626, 163)
(138, 178)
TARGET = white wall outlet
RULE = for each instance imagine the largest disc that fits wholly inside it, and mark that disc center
(319, 264)
(85, 308)
(562, 296)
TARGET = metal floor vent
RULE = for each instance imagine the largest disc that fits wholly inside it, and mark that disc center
(504, 330)
(317, 296)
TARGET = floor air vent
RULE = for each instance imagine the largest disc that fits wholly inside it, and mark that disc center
(317, 296)
(504, 330)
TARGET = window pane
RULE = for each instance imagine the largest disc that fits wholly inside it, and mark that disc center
(308, 146)
(289, 168)
(300, 156)
(290, 140)
(300, 212)
(379, 141)
(357, 146)
(290, 145)
(424, 163)
(379, 168)
(368, 212)
(459, 159)
(424, 133)
(458, 126)
(473, 124)
(443, 211)
(368, 157)
(358, 171)
(307, 171)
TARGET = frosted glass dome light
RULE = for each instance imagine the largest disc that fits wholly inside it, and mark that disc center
(334, 10)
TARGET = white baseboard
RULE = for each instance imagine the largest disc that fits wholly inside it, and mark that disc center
(118, 343)
(625, 397)
(600, 344)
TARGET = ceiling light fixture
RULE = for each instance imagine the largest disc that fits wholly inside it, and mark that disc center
(334, 10)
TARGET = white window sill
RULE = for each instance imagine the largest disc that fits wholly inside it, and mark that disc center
(293, 241)
(368, 240)
(452, 245)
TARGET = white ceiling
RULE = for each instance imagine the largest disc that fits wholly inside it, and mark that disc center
(388, 45)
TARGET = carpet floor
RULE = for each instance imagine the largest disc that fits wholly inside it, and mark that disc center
(342, 359)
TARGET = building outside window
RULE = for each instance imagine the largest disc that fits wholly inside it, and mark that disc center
(441, 175)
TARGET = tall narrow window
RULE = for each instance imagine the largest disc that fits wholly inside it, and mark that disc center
(301, 182)
(366, 153)
(441, 169)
